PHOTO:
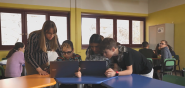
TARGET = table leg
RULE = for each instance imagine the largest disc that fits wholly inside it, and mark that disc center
(24, 70)
(79, 85)
(57, 85)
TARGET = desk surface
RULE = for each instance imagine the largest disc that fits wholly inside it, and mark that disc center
(83, 80)
(30, 81)
(137, 81)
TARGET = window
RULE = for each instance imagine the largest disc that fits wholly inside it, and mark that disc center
(129, 31)
(123, 31)
(61, 23)
(88, 28)
(34, 22)
(11, 28)
(106, 27)
(17, 24)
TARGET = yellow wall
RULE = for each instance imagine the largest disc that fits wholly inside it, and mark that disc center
(75, 23)
(177, 16)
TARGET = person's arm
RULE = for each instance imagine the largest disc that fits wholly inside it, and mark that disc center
(165, 53)
(22, 61)
(30, 49)
(110, 72)
(79, 58)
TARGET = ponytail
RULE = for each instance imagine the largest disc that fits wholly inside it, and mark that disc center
(16, 47)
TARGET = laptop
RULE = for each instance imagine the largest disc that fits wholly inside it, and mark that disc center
(63, 68)
(93, 68)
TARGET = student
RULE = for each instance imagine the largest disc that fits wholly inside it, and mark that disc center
(165, 52)
(68, 55)
(94, 54)
(15, 60)
(158, 50)
(68, 52)
(89, 46)
(129, 60)
(39, 42)
(148, 53)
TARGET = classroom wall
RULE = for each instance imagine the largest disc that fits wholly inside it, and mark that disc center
(132, 6)
(157, 5)
(172, 15)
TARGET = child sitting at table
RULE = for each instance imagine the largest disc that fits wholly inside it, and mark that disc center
(129, 60)
(68, 55)
(15, 60)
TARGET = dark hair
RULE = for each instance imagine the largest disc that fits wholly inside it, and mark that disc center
(16, 47)
(157, 50)
(95, 38)
(165, 41)
(145, 44)
(68, 44)
(170, 48)
(42, 41)
(108, 43)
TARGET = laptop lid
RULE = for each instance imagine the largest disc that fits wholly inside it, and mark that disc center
(63, 68)
(93, 68)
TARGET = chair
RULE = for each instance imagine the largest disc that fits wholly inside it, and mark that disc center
(174, 79)
(177, 58)
(2, 73)
(168, 63)
(150, 60)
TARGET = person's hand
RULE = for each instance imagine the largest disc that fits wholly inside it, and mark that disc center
(41, 72)
(110, 73)
(78, 74)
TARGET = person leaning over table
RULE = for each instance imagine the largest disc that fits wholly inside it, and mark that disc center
(39, 42)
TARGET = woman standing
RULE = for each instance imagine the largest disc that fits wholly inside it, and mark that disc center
(39, 42)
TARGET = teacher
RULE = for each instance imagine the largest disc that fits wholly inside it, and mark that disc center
(39, 42)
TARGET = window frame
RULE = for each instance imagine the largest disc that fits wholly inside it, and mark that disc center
(24, 13)
(115, 17)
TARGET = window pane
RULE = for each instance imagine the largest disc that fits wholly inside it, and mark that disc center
(88, 28)
(61, 23)
(11, 28)
(123, 31)
(106, 28)
(137, 32)
(34, 22)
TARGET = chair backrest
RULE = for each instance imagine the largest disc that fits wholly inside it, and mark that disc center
(174, 79)
(2, 75)
(149, 59)
(169, 62)
(176, 57)
(4, 58)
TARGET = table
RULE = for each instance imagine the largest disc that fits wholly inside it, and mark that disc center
(83, 80)
(24, 68)
(30, 81)
(138, 81)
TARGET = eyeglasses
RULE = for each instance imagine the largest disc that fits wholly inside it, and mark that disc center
(69, 52)
(162, 43)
